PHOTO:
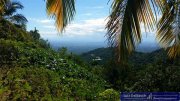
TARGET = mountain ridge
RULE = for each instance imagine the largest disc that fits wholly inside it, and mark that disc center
(106, 54)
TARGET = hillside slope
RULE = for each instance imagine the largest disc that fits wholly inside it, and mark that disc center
(153, 72)
(106, 54)
(30, 71)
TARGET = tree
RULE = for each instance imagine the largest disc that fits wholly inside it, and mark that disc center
(37, 37)
(62, 51)
(9, 12)
(35, 34)
(124, 31)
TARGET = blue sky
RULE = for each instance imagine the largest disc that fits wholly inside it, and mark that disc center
(88, 25)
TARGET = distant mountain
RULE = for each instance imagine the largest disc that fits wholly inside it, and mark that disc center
(83, 47)
(78, 47)
(147, 48)
(105, 54)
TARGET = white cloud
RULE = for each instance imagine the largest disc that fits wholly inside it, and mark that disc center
(90, 27)
(49, 26)
(48, 32)
(45, 21)
(42, 21)
(83, 28)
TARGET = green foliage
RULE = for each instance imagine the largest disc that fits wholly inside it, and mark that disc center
(34, 61)
(105, 53)
(158, 77)
(37, 38)
(109, 95)
(144, 72)
(120, 76)
(62, 51)
(44, 43)
(31, 70)
(29, 84)
(12, 32)
(35, 34)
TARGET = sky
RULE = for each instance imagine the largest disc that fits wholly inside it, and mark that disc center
(87, 27)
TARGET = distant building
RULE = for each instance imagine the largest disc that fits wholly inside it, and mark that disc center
(92, 55)
(97, 59)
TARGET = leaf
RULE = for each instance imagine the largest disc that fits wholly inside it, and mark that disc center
(124, 32)
(62, 10)
(169, 28)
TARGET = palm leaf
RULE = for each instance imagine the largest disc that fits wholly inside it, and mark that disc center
(168, 34)
(62, 10)
(12, 7)
(18, 19)
(2, 6)
(123, 27)
(10, 12)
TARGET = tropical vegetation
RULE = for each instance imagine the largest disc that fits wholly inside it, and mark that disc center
(153, 72)
(31, 70)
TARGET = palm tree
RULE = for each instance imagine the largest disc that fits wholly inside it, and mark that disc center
(124, 31)
(9, 12)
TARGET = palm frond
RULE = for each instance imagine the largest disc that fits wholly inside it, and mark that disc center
(12, 7)
(123, 27)
(18, 19)
(10, 12)
(168, 34)
(62, 10)
(2, 6)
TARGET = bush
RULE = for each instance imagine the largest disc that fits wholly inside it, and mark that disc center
(41, 68)
(11, 32)
(109, 95)
(158, 78)
(29, 84)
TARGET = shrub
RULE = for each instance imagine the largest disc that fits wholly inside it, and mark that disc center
(109, 95)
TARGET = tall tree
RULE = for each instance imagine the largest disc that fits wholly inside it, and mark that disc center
(10, 12)
(35, 34)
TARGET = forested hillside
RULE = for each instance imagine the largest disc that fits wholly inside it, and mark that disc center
(144, 71)
(107, 54)
(31, 70)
